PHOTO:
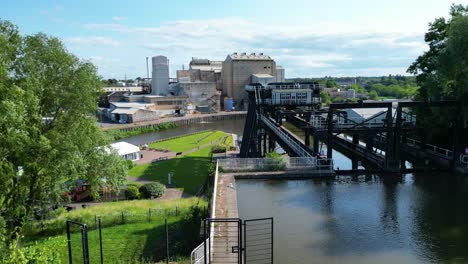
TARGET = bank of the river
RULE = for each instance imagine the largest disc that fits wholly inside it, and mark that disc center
(183, 120)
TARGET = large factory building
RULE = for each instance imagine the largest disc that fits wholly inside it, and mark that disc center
(241, 69)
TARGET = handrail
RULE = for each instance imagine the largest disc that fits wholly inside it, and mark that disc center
(292, 144)
(194, 257)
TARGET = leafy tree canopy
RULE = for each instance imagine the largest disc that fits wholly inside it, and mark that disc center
(48, 134)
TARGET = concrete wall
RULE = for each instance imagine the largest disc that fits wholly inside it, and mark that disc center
(144, 115)
(280, 77)
(237, 74)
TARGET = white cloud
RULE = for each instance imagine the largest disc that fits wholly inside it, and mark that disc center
(93, 41)
(119, 18)
(302, 50)
(59, 8)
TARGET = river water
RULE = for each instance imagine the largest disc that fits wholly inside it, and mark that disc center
(412, 218)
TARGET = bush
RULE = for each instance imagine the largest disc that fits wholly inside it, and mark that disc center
(152, 190)
(130, 164)
(218, 149)
(132, 193)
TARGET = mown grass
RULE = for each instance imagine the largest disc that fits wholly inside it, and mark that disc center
(189, 171)
(190, 142)
(141, 242)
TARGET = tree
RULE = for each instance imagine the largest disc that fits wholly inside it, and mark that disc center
(48, 133)
(442, 73)
(331, 83)
(325, 98)
(427, 67)
(373, 95)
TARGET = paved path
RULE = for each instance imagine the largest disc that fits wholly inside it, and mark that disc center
(150, 155)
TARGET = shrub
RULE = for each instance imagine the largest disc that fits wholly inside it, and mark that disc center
(132, 193)
(152, 190)
(129, 164)
(218, 149)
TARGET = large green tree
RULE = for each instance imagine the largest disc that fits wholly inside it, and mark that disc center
(48, 133)
(442, 70)
(442, 74)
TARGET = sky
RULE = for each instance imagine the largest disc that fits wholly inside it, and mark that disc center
(308, 38)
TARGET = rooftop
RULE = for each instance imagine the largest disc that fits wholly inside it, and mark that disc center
(251, 56)
(124, 148)
(131, 105)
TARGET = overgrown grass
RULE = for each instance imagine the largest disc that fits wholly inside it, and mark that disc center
(186, 143)
(111, 214)
(142, 242)
(189, 171)
(116, 134)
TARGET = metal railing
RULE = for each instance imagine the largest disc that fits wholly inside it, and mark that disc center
(438, 150)
(286, 138)
(268, 164)
(198, 254)
(298, 101)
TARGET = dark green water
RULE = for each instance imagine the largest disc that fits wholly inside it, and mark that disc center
(417, 218)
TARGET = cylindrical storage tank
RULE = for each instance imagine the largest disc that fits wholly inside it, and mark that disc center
(228, 104)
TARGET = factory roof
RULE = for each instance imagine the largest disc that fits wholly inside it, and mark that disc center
(125, 111)
(131, 105)
(124, 148)
(262, 75)
(251, 56)
(205, 65)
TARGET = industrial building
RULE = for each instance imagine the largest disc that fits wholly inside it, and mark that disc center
(241, 69)
(160, 80)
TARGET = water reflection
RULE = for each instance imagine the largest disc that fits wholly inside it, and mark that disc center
(419, 218)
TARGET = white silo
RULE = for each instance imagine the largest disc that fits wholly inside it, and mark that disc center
(160, 81)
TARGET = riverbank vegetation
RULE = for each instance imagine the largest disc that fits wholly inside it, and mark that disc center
(117, 134)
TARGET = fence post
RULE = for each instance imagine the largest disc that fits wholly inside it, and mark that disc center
(84, 240)
(70, 260)
(176, 211)
(123, 218)
(149, 214)
(167, 241)
(100, 240)
(95, 221)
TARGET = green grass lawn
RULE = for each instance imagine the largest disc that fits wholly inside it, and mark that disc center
(186, 143)
(141, 242)
(189, 171)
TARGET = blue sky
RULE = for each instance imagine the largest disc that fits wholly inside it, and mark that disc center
(308, 38)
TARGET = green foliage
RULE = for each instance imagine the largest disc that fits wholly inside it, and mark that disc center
(140, 239)
(116, 134)
(218, 149)
(129, 164)
(325, 98)
(330, 83)
(152, 190)
(111, 213)
(373, 95)
(442, 73)
(132, 193)
(274, 162)
(48, 134)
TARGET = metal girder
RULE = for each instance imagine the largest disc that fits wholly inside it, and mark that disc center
(360, 105)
